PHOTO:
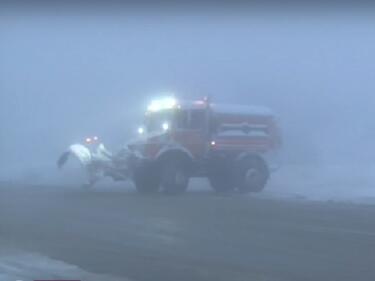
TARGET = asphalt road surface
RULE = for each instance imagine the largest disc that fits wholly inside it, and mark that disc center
(196, 236)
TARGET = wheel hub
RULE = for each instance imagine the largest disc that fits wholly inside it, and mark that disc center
(252, 177)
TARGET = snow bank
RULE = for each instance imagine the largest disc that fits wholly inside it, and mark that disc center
(27, 267)
(324, 183)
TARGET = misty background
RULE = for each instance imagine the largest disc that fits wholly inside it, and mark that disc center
(66, 75)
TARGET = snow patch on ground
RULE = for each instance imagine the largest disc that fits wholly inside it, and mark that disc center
(28, 267)
(324, 183)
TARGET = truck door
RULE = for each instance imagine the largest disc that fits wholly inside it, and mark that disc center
(191, 130)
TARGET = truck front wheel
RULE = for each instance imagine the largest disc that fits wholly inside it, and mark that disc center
(174, 176)
(147, 179)
(252, 175)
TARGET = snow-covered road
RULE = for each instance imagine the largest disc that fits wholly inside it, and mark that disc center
(69, 233)
(307, 221)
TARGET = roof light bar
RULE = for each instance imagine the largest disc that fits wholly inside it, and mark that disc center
(160, 104)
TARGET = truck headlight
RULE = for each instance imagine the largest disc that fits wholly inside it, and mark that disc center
(165, 126)
(141, 130)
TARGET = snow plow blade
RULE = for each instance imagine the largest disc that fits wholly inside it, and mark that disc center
(98, 163)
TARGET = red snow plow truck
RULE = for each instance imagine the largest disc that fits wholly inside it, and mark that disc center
(234, 146)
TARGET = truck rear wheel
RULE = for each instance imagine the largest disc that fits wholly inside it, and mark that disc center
(174, 176)
(252, 174)
(147, 179)
(220, 176)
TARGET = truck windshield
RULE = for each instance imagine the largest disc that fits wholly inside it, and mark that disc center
(158, 121)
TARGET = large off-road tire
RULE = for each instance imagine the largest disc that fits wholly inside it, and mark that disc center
(147, 179)
(251, 174)
(175, 175)
(220, 176)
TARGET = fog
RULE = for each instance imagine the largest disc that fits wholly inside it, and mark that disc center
(68, 71)
(68, 74)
